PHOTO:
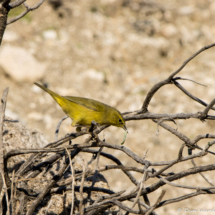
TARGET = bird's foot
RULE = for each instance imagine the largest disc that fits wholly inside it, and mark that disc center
(93, 125)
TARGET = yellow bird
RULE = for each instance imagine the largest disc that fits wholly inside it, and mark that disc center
(84, 111)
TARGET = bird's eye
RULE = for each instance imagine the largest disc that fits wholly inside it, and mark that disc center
(120, 120)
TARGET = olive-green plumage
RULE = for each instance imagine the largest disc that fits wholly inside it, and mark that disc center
(83, 111)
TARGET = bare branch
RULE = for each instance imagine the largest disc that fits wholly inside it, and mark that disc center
(200, 137)
(206, 110)
(190, 58)
(185, 186)
(151, 93)
(49, 186)
(16, 3)
(190, 95)
(73, 181)
(176, 133)
(156, 203)
(179, 78)
(2, 117)
(126, 208)
(81, 189)
(169, 80)
(77, 189)
(28, 9)
(101, 198)
(163, 120)
(194, 164)
(43, 162)
(171, 164)
(5, 192)
(117, 161)
(162, 116)
(141, 186)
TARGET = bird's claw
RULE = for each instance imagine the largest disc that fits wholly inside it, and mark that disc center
(93, 125)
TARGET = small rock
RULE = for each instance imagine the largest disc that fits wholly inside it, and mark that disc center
(186, 10)
(50, 35)
(10, 36)
(20, 65)
(212, 7)
(93, 74)
(11, 114)
(18, 136)
(169, 30)
(32, 105)
(35, 116)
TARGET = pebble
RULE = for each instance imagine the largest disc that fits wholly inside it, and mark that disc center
(50, 35)
(186, 10)
(169, 30)
(20, 65)
(93, 74)
(10, 36)
(11, 114)
(35, 116)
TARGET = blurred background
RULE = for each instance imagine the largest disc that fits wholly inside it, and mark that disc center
(114, 51)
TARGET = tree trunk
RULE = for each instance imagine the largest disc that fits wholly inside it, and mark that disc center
(4, 9)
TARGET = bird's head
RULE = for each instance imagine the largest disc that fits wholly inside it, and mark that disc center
(118, 120)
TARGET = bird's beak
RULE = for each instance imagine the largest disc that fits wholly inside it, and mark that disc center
(124, 127)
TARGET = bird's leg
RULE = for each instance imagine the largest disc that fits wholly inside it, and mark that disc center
(93, 125)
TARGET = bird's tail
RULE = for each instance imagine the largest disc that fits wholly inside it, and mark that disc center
(59, 99)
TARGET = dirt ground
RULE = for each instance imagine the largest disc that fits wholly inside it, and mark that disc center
(115, 51)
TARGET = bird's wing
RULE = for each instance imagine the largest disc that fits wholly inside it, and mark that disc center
(88, 103)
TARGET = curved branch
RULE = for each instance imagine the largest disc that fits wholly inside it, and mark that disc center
(169, 80)
(190, 95)
(190, 58)
(28, 9)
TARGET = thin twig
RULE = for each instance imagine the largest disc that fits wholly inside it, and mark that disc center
(184, 197)
(169, 80)
(2, 117)
(49, 205)
(185, 186)
(16, 3)
(73, 181)
(28, 9)
(141, 186)
(50, 185)
(58, 127)
(76, 188)
(124, 207)
(190, 58)
(95, 173)
(190, 95)
(206, 110)
(101, 198)
(179, 78)
(194, 164)
(81, 188)
(12, 193)
(157, 202)
(172, 163)
(6, 193)
(117, 161)
(163, 120)
(3, 173)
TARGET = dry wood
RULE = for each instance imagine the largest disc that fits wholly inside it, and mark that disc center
(158, 170)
